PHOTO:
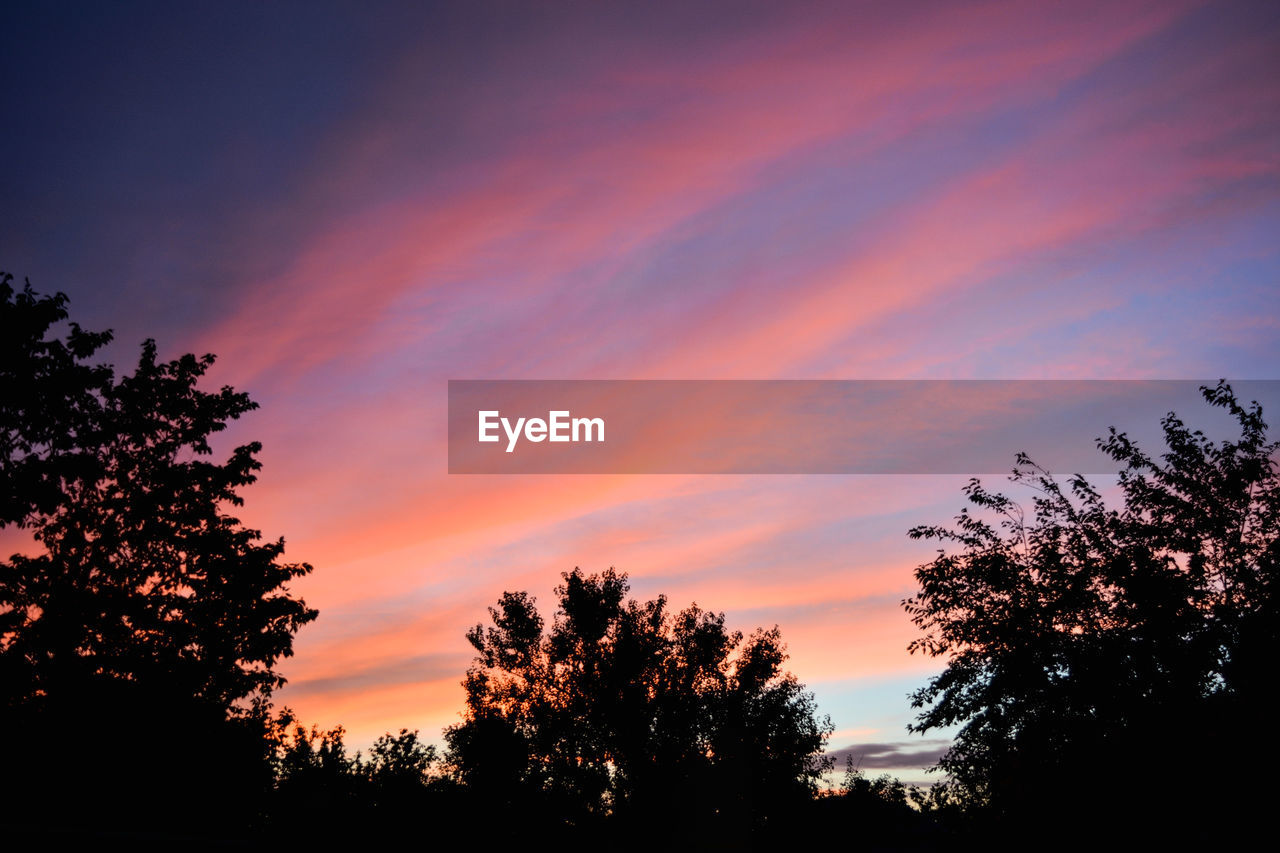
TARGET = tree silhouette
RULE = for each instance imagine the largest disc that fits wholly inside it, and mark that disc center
(147, 616)
(1087, 647)
(316, 783)
(626, 709)
(322, 794)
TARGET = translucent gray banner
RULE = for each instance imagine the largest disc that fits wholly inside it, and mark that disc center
(816, 426)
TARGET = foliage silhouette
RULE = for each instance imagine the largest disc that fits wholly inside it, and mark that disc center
(138, 643)
(321, 790)
(877, 814)
(316, 781)
(1085, 645)
(627, 710)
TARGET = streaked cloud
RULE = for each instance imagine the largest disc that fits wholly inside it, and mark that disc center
(994, 190)
(915, 754)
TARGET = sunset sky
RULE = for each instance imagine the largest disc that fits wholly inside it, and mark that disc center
(351, 204)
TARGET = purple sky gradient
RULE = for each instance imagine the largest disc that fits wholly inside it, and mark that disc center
(351, 204)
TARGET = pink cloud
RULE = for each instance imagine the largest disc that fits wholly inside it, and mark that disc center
(540, 255)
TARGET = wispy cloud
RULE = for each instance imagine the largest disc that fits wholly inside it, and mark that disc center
(918, 754)
(993, 189)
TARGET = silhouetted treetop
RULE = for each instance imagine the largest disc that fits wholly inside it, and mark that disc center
(625, 708)
(142, 576)
(1084, 642)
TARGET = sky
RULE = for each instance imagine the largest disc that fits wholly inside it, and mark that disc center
(353, 203)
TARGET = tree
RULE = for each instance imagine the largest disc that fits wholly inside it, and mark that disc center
(316, 781)
(628, 710)
(145, 608)
(324, 795)
(397, 762)
(1087, 646)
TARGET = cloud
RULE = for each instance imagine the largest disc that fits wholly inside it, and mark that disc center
(960, 191)
(896, 755)
(408, 670)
